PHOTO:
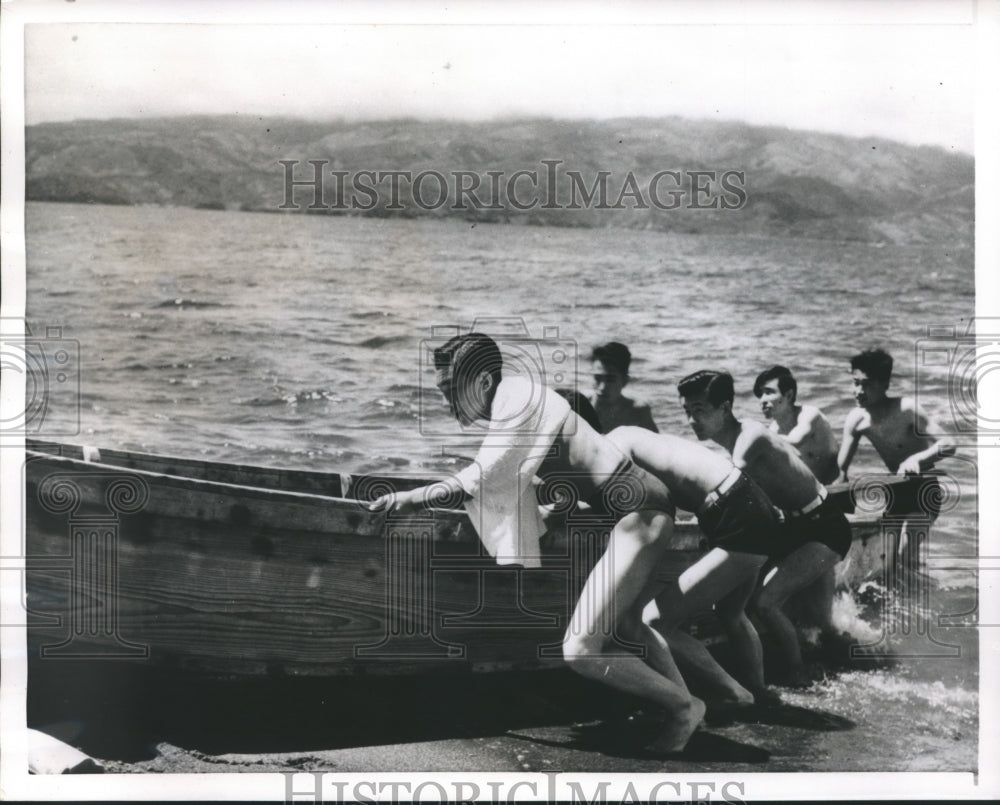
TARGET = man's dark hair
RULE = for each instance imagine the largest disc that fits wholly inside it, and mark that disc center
(876, 363)
(613, 354)
(716, 386)
(786, 381)
(581, 405)
(467, 355)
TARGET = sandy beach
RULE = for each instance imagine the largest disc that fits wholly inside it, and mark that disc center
(904, 714)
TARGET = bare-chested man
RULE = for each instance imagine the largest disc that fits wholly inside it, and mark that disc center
(803, 426)
(610, 364)
(809, 432)
(815, 534)
(907, 440)
(533, 432)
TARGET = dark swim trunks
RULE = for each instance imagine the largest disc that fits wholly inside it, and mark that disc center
(740, 518)
(918, 495)
(826, 524)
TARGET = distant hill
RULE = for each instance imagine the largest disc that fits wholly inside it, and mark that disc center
(794, 183)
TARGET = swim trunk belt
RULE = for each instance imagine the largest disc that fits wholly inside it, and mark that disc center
(713, 497)
(815, 504)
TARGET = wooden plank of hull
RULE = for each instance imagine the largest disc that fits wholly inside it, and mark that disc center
(240, 580)
(293, 480)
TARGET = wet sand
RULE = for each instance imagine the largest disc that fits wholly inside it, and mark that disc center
(907, 714)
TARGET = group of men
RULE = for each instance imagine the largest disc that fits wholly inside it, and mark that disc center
(764, 510)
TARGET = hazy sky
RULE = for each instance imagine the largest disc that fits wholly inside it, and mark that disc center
(853, 74)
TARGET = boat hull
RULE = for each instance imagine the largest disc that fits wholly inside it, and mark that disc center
(256, 572)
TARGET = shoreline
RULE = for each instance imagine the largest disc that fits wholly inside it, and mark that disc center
(902, 713)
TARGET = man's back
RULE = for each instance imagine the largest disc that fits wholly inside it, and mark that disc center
(689, 470)
(774, 465)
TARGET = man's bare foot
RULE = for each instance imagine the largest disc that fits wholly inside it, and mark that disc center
(679, 728)
(765, 697)
(736, 697)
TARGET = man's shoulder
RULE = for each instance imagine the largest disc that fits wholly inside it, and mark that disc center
(755, 442)
(855, 417)
(813, 416)
(754, 433)
(895, 410)
(810, 412)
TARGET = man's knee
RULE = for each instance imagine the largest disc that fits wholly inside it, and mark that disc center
(581, 649)
(645, 527)
(765, 602)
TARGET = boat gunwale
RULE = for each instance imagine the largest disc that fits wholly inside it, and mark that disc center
(291, 496)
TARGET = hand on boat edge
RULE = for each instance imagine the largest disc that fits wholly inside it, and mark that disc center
(386, 503)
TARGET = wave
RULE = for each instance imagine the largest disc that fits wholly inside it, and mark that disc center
(282, 397)
(139, 366)
(182, 303)
(375, 342)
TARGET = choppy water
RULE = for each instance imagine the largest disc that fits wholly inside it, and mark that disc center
(295, 340)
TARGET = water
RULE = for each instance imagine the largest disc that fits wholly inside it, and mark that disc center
(294, 340)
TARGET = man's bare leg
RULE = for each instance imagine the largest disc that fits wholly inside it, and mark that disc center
(657, 652)
(743, 638)
(794, 572)
(610, 596)
(817, 601)
(697, 589)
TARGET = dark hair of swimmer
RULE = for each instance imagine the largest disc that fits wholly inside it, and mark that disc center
(876, 363)
(716, 386)
(786, 381)
(615, 355)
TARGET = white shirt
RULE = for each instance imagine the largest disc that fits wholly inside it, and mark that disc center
(525, 419)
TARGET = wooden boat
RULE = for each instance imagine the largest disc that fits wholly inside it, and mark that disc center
(250, 571)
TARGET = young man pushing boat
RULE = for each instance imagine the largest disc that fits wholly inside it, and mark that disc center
(815, 534)
(803, 426)
(906, 439)
(533, 432)
(808, 431)
(545, 438)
